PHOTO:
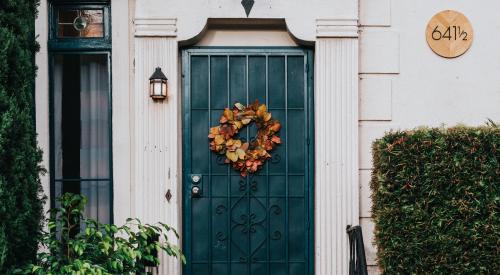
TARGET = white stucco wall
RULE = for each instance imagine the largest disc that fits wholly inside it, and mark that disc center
(403, 84)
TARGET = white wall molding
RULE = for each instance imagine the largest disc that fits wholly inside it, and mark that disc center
(336, 139)
(155, 151)
(338, 27)
(166, 27)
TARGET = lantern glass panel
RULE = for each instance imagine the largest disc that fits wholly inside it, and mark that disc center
(157, 88)
(164, 88)
(151, 87)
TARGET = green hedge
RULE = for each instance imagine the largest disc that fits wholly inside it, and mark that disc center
(20, 206)
(436, 195)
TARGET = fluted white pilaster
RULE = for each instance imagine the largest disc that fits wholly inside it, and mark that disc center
(336, 139)
(155, 150)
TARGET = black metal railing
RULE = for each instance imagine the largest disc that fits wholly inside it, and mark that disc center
(357, 258)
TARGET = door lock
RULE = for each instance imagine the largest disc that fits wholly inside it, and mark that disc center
(196, 191)
(195, 178)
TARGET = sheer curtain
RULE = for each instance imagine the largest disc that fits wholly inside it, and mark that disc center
(57, 88)
(82, 130)
(95, 130)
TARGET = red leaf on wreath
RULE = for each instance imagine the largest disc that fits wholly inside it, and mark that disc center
(276, 139)
(276, 127)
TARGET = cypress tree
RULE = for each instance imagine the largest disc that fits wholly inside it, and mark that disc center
(21, 205)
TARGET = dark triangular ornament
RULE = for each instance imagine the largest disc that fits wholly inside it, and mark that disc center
(247, 5)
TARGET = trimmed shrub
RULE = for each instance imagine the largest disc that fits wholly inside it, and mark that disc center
(20, 204)
(436, 195)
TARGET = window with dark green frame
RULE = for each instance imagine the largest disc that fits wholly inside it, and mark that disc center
(80, 104)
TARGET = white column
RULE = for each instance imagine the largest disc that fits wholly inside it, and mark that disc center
(336, 139)
(156, 128)
(121, 56)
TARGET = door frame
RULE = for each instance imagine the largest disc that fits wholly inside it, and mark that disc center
(186, 53)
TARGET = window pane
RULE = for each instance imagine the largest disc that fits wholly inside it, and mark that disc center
(82, 125)
(80, 23)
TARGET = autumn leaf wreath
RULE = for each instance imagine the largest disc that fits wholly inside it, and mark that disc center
(246, 157)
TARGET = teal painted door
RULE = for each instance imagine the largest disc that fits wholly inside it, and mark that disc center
(260, 224)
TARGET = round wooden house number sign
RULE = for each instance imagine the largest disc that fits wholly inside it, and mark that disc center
(449, 34)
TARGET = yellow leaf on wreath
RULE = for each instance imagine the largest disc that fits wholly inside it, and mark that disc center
(214, 130)
(219, 139)
(237, 143)
(232, 156)
(230, 142)
(267, 116)
(238, 124)
(239, 106)
(261, 111)
(228, 114)
(246, 121)
(241, 154)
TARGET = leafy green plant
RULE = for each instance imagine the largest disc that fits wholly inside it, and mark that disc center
(436, 200)
(75, 245)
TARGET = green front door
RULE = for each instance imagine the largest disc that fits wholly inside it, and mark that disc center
(262, 223)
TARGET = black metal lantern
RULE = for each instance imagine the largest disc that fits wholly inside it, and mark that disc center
(158, 85)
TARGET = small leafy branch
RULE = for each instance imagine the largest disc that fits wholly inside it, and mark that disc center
(98, 248)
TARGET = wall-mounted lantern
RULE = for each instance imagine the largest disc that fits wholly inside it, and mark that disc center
(158, 85)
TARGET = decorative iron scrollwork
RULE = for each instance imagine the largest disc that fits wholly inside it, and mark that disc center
(220, 209)
(253, 186)
(275, 158)
(275, 209)
(243, 185)
(221, 239)
(276, 235)
(220, 236)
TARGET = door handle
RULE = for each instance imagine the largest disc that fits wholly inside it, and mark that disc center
(196, 191)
